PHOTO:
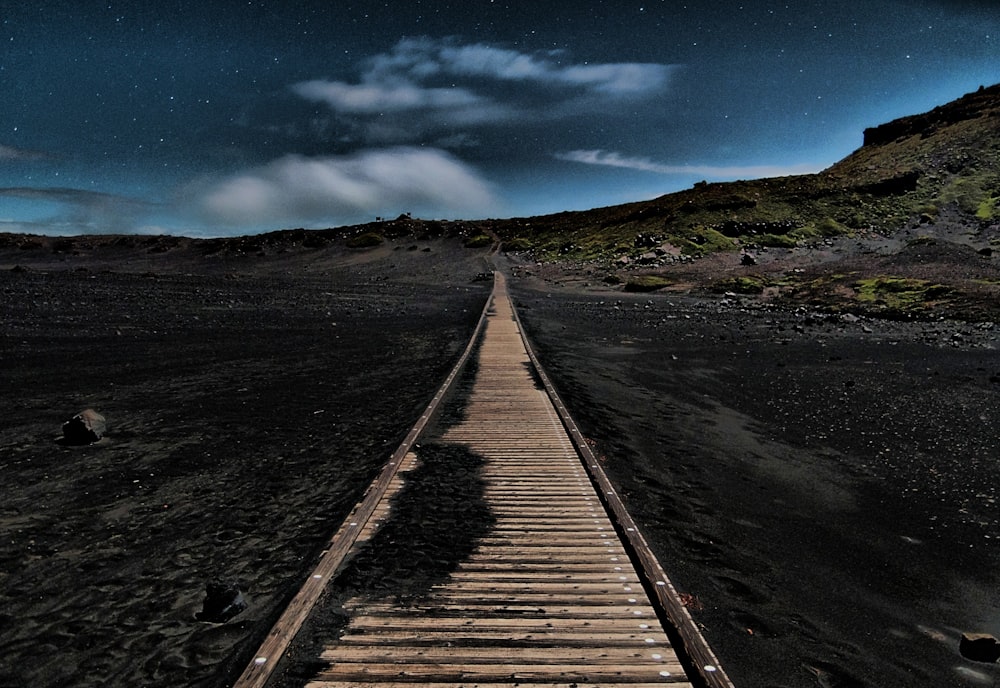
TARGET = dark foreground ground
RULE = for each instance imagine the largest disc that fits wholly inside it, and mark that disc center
(826, 488)
(247, 411)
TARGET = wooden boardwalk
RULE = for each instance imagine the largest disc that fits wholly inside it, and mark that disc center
(550, 595)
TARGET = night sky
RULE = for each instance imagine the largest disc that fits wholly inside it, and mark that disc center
(214, 118)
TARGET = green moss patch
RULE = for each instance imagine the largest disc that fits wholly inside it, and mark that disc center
(644, 283)
(517, 244)
(366, 240)
(699, 241)
(777, 240)
(479, 241)
(987, 209)
(748, 284)
(899, 293)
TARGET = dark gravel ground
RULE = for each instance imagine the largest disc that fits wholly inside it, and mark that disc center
(826, 488)
(246, 414)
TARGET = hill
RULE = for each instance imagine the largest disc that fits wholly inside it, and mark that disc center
(907, 170)
(906, 226)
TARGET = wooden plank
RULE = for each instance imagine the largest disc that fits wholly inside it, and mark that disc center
(475, 610)
(573, 552)
(483, 563)
(498, 598)
(369, 623)
(569, 673)
(538, 587)
(491, 684)
(510, 638)
(492, 654)
(547, 577)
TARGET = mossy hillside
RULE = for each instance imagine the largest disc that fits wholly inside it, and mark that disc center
(904, 174)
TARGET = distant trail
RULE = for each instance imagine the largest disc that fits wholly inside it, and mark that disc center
(561, 590)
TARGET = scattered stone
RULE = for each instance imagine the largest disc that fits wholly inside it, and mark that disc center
(223, 601)
(748, 259)
(86, 427)
(980, 647)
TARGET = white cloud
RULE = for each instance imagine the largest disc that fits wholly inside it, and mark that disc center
(497, 63)
(12, 153)
(622, 78)
(447, 84)
(614, 159)
(296, 189)
(371, 98)
(509, 65)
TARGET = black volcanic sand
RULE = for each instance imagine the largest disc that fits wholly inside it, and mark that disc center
(248, 406)
(826, 488)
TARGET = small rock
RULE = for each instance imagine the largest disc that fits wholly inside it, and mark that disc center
(86, 427)
(223, 601)
(979, 647)
(748, 259)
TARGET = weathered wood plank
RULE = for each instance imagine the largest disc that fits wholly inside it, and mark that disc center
(570, 673)
(491, 654)
(501, 637)
(472, 610)
(614, 622)
(491, 684)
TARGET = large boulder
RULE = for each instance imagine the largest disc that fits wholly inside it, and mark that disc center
(979, 647)
(86, 427)
(223, 601)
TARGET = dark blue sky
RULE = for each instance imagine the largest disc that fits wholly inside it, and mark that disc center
(209, 118)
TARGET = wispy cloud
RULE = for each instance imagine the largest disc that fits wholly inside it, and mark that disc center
(482, 60)
(614, 159)
(374, 98)
(296, 189)
(12, 153)
(424, 83)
